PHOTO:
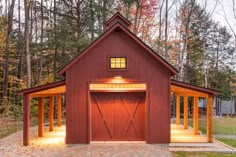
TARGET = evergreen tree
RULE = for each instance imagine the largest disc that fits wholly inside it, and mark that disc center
(205, 43)
(219, 52)
(193, 18)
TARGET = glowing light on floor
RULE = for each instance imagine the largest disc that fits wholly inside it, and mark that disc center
(179, 134)
(54, 137)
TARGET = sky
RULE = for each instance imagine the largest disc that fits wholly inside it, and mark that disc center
(221, 16)
(218, 14)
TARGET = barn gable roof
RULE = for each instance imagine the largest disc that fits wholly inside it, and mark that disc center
(115, 18)
(120, 26)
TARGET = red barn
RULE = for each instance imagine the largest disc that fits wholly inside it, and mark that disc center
(117, 89)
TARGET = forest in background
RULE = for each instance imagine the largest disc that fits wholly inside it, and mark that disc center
(38, 37)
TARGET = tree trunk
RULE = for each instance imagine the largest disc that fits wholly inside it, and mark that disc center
(41, 44)
(91, 25)
(104, 9)
(166, 28)
(160, 22)
(55, 43)
(37, 44)
(28, 63)
(7, 47)
(136, 18)
(78, 25)
(18, 71)
(217, 56)
(185, 41)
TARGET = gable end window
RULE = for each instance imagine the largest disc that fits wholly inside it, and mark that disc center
(118, 63)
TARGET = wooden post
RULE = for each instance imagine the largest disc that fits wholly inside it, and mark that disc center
(40, 117)
(177, 109)
(51, 103)
(195, 115)
(185, 112)
(26, 119)
(59, 110)
(209, 119)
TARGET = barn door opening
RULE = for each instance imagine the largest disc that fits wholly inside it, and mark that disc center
(118, 116)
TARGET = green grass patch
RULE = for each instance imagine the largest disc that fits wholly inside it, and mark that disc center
(227, 141)
(201, 154)
(221, 126)
(224, 126)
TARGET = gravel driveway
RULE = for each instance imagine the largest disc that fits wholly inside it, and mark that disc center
(11, 146)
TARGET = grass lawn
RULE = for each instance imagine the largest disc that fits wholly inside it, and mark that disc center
(193, 154)
(221, 126)
(226, 126)
(231, 142)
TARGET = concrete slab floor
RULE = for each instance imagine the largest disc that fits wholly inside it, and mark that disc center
(184, 140)
(180, 135)
(216, 146)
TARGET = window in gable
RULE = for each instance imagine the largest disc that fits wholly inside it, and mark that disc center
(118, 63)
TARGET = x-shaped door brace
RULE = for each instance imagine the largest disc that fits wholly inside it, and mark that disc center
(103, 119)
(131, 117)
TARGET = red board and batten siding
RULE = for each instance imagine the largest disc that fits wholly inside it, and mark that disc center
(141, 66)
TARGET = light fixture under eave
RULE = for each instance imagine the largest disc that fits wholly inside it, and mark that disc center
(118, 76)
(118, 79)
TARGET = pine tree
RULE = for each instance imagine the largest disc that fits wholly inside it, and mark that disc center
(219, 52)
(193, 18)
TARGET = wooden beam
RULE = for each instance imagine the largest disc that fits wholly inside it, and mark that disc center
(51, 111)
(195, 116)
(185, 112)
(43, 95)
(189, 92)
(209, 119)
(26, 119)
(59, 110)
(177, 109)
(40, 117)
